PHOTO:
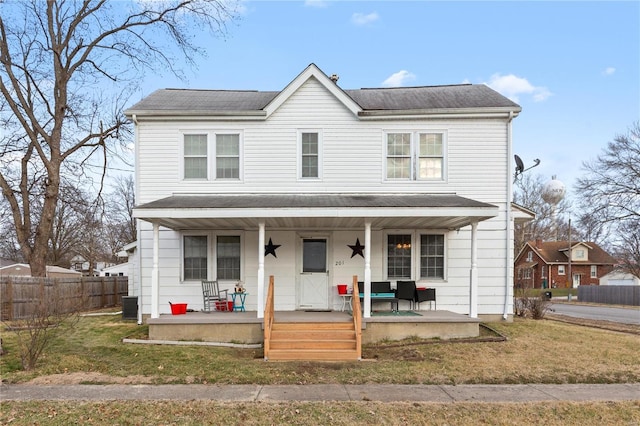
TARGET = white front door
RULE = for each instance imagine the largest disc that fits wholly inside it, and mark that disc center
(576, 280)
(314, 275)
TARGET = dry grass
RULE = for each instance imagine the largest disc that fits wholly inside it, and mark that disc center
(535, 352)
(338, 413)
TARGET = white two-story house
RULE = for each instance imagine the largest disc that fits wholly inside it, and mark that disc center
(315, 184)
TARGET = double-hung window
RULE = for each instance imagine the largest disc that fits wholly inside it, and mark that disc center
(309, 157)
(430, 255)
(399, 256)
(207, 151)
(594, 271)
(195, 248)
(228, 257)
(415, 156)
(227, 156)
(195, 157)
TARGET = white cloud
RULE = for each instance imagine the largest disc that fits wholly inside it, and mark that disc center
(513, 86)
(362, 19)
(609, 71)
(316, 3)
(399, 78)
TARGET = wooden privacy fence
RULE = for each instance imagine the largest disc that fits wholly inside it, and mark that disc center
(20, 297)
(610, 294)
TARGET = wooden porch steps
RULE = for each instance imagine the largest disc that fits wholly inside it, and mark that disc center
(313, 341)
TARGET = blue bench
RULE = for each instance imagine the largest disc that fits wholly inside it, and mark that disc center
(380, 292)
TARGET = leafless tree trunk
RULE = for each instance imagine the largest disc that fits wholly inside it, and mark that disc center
(57, 60)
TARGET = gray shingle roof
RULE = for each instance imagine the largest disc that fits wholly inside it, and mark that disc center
(314, 201)
(224, 102)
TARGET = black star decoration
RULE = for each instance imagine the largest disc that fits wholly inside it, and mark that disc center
(357, 248)
(271, 248)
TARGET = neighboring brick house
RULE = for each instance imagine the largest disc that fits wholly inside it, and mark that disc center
(546, 264)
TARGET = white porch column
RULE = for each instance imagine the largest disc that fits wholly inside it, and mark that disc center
(473, 275)
(261, 270)
(367, 270)
(155, 273)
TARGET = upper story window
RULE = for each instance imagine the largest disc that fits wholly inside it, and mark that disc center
(227, 156)
(195, 157)
(529, 256)
(579, 254)
(418, 156)
(309, 155)
(223, 156)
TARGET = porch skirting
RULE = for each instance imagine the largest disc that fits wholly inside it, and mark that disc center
(244, 327)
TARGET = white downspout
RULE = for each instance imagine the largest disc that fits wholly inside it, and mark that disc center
(138, 272)
(508, 262)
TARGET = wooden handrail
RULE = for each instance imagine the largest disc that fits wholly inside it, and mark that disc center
(268, 318)
(357, 316)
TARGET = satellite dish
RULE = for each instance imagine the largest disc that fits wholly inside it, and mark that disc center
(519, 164)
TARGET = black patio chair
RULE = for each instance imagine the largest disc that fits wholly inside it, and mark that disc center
(406, 290)
(426, 295)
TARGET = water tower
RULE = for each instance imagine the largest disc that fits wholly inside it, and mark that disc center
(552, 193)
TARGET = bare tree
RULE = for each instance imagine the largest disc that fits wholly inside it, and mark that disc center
(550, 223)
(611, 189)
(610, 196)
(121, 226)
(67, 69)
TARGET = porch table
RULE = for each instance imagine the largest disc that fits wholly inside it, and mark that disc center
(239, 306)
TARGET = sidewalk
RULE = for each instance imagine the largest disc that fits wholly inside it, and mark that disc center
(332, 392)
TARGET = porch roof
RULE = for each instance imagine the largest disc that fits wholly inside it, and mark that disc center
(318, 211)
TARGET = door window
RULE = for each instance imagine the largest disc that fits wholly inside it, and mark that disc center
(314, 255)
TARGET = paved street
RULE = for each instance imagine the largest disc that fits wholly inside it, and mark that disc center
(630, 315)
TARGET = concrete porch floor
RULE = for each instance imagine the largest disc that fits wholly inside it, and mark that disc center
(245, 327)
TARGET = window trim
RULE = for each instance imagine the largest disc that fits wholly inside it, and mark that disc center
(195, 132)
(214, 166)
(299, 154)
(212, 135)
(415, 253)
(212, 258)
(414, 155)
(561, 270)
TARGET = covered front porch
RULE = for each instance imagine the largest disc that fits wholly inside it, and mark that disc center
(319, 220)
(246, 327)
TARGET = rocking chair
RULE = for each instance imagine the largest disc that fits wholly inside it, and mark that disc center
(211, 293)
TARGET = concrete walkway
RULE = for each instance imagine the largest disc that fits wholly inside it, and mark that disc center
(332, 392)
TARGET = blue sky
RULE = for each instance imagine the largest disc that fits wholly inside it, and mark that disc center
(574, 67)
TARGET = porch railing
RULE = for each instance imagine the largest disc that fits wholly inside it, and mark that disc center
(357, 316)
(268, 318)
